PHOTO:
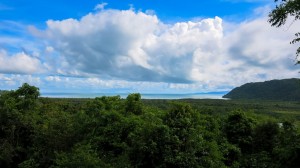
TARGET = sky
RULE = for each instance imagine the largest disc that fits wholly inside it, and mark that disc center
(145, 46)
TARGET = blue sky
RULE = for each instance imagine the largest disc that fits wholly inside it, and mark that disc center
(145, 46)
(33, 11)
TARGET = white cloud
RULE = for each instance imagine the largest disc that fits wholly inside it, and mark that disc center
(97, 85)
(119, 49)
(49, 49)
(19, 63)
(133, 45)
(53, 78)
(100, 6)
(12, 81)
(15, 40)
(262, 49)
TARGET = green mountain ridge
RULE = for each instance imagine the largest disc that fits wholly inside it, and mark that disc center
(285, 89)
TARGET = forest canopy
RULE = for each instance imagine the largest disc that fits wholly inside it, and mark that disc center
(115, 132)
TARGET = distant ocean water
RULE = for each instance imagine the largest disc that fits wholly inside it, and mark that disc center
(211, 95)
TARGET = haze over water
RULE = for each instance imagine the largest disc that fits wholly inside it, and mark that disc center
(212, 95)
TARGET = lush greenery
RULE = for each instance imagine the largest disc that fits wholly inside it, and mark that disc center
(286, 89)
(286, 9)
(115, 132)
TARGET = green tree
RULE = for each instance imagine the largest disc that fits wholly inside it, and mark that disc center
(104, 103)
(286, 9)
(16, 112)
(266, 136)
(133, 104)
(81, 156)
(288, 150)
(187, 146)
(53, 132)
(239, 131)
(27, 96)
(148, 141)
(110, 137)
(265, 140)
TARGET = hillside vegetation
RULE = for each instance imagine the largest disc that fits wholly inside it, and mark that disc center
(286, 89)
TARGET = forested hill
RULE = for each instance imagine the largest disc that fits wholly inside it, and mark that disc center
(286, 89)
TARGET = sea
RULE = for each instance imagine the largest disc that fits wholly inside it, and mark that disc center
(210, 95)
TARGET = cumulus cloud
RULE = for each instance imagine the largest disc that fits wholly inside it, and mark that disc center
(133, 45)
(125, 45)
(258, 49)
(19, 63)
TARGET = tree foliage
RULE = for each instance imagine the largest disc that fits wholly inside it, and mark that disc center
(115, 132)
(283, 11)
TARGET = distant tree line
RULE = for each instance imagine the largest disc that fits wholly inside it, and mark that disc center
(115, 132)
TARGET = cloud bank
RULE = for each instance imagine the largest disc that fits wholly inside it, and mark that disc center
(135, 46)
(124, 48)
